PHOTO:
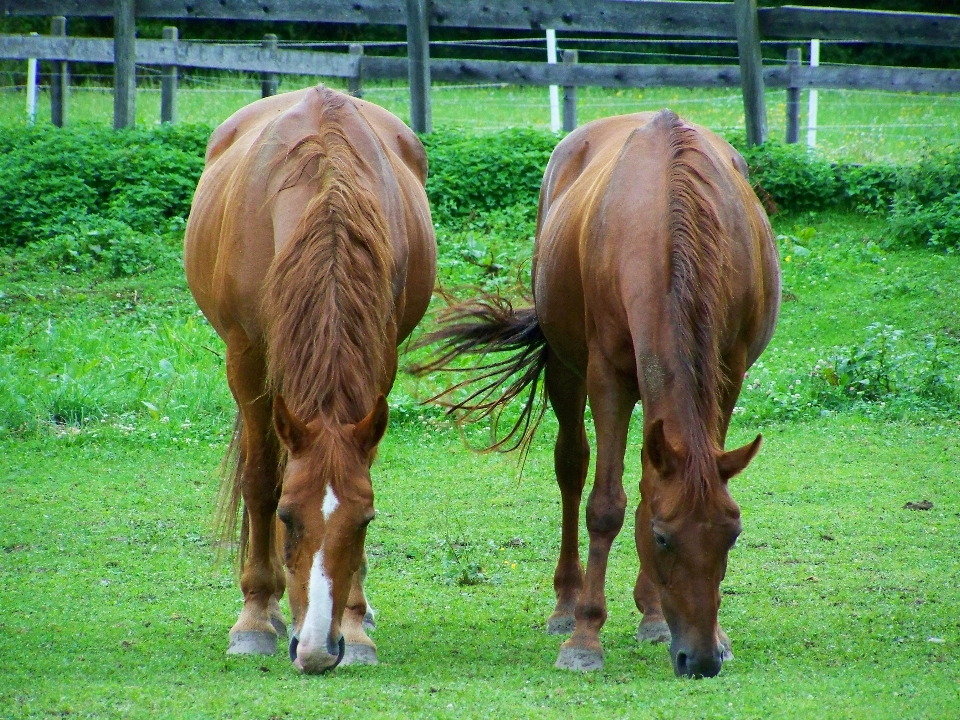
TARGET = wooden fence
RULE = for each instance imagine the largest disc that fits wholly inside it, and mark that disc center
(739, 20)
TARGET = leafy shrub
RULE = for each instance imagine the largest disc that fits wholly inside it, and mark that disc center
(926, 208)
(793, 177)
(476, 173)
(142, 178)
(886, 374)
(883, 371)
(80, 242)
(868, 188)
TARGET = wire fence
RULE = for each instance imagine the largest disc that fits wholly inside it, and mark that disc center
(853, 125)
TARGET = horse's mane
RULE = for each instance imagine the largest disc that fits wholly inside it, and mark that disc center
(700, 260)
(328, 295)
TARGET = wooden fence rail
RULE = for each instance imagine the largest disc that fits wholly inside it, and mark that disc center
(740, 20)
(345, 65)
(643, 17)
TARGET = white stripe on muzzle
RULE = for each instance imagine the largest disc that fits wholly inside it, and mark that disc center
(316, 625)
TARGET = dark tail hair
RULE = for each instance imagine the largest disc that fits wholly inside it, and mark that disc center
(484, 326)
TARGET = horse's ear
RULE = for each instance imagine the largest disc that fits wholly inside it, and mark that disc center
(659, 450)
(369, 431)
(733, 462)
(292, 431)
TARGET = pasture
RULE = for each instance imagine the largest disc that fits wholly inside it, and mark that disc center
(840, 601)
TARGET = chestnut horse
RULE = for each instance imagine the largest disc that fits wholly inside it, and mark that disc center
(655, 278)
(311, 251)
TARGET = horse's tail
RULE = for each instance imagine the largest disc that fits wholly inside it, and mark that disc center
(489, 326)
(229, 498)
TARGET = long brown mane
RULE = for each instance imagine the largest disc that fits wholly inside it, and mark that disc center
(700, 260)
(328, 297)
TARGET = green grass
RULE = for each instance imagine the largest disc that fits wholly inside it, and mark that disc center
(837, 598)
(114, 416)
(854, 125)
(114, 419)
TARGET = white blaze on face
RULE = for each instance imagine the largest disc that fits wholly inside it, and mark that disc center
(330, 503)
(316, 624)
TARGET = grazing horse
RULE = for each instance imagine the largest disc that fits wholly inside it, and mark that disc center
(311, 251)
(655, 278)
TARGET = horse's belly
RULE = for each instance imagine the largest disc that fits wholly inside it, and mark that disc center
(558, 294)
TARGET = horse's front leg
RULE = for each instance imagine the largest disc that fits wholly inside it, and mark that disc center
(612, 398)
(359, 649)
(653, 627)
(261, 580)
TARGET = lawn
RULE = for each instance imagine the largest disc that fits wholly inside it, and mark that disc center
(840, 601)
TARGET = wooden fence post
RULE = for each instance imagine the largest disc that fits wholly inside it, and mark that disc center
(793, 96)
(269, 82)
(124, 64)
(168, 81)
(59, 79)
(569, 95)
(355, 84)
(751, 70)
(418, 54)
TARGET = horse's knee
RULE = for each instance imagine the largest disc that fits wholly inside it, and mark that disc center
(605, 519)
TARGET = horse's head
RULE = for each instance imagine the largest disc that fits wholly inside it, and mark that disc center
(325, 507)
(685, 529)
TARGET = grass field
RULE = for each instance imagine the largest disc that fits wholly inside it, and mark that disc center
(840, 601)
(857, 126)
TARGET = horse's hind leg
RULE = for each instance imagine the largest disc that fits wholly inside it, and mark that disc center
(261, 580)
(571, 456)
(359, 649)
(612, 398)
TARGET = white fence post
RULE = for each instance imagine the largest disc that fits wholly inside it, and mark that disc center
(814, 97)
(554, 90)
(32, 89)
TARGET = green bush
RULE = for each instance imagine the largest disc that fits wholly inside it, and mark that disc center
(473, 174)
(142, 178)
(793, 177)
(926, 207)
(81, 242)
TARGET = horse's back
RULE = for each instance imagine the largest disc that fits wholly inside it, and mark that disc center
(604, 235)
(240, 217)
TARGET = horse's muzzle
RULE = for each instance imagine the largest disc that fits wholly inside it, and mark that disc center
(697, 665)
(316, 663)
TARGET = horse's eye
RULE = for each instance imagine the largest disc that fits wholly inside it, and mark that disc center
(286, 516)
(661, 540)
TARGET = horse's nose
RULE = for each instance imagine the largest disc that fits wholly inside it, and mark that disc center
(698, 665)
(311, 660)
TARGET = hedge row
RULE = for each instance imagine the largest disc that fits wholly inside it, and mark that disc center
(83, 189)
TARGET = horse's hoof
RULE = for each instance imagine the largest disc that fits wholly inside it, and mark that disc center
(252, 642)
(725, 646)
(359, 654)
(656, 631)
(279, 625)
(369, 623)
(579, 659)
(561, 624)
